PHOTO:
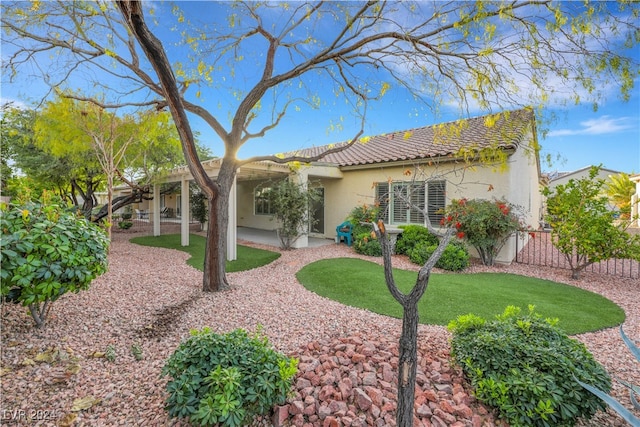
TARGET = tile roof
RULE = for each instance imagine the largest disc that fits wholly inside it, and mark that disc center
(504, 130)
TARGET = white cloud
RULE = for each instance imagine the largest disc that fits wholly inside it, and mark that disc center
(598, 126)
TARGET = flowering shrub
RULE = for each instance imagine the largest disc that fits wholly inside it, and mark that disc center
(484, 224)
(363, 214)
(367, 244)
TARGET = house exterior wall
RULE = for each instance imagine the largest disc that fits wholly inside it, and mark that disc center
(246, 212)
(518, 183)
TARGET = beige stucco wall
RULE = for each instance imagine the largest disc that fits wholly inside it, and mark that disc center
(246, 212)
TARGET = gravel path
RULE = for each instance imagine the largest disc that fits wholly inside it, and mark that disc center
(151, 298)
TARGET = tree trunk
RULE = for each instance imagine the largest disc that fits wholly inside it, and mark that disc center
(407, 363)
(214, 278)
(408, 346)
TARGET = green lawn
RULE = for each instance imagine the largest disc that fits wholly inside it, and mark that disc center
(360, 283)
(248, 258)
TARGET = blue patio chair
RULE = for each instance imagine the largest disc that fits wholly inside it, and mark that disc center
(345, 230)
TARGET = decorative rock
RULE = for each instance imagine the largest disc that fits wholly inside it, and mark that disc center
(338, 408)
(302, 383)
(375, 395)
(445, 416)
(463, 411)
(345, 386)
(330, 422)
(280, 414)
(370, 379)
(447, 407)
(446, 388)
(351, 381)
(324, 411)
(296, 408)
(362, 400)
(423, 411)
(358, 358)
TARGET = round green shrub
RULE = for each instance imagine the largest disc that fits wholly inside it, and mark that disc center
(367, 244)
(412, 235)
(226, 379)
(526, 368)
(126, 216)
(46, 251)
(125, 225)
(454, 258)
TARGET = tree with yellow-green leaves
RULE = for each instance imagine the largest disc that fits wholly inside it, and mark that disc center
(80, 129)
(74, 148)
(257, 62)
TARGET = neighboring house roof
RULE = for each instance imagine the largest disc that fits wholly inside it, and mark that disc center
(558, 175)
(503, 130)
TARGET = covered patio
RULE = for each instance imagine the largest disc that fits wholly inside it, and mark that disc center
(257, 171)
(268, 237)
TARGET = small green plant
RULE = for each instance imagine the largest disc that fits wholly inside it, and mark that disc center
(367, 244)
(291, 202)
(47, 250)
(454, 258)
(411, 236)
(110, 353)
(136, 351)
(126, 216)
(125, 225)
(633, 389)
(226, 379)
(527, 368)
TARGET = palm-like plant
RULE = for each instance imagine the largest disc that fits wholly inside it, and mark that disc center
(619, 188)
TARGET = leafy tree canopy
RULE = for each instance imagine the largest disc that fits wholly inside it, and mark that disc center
(583, 227)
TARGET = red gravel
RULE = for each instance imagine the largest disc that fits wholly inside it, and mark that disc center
(151, 298)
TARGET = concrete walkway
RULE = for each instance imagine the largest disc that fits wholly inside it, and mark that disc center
(269, 237)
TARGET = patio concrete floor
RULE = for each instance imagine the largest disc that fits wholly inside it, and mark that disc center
(268, 237)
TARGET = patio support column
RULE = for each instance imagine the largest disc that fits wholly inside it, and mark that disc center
(302, 178)
(232, 232)
(184, 212)
(156, 209)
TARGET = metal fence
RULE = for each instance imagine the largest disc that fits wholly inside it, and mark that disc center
(537, 249)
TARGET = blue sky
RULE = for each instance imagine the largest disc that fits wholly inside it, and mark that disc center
(577, 137)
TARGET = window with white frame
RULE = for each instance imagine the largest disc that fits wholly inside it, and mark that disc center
(397, 198)
(261, 201)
